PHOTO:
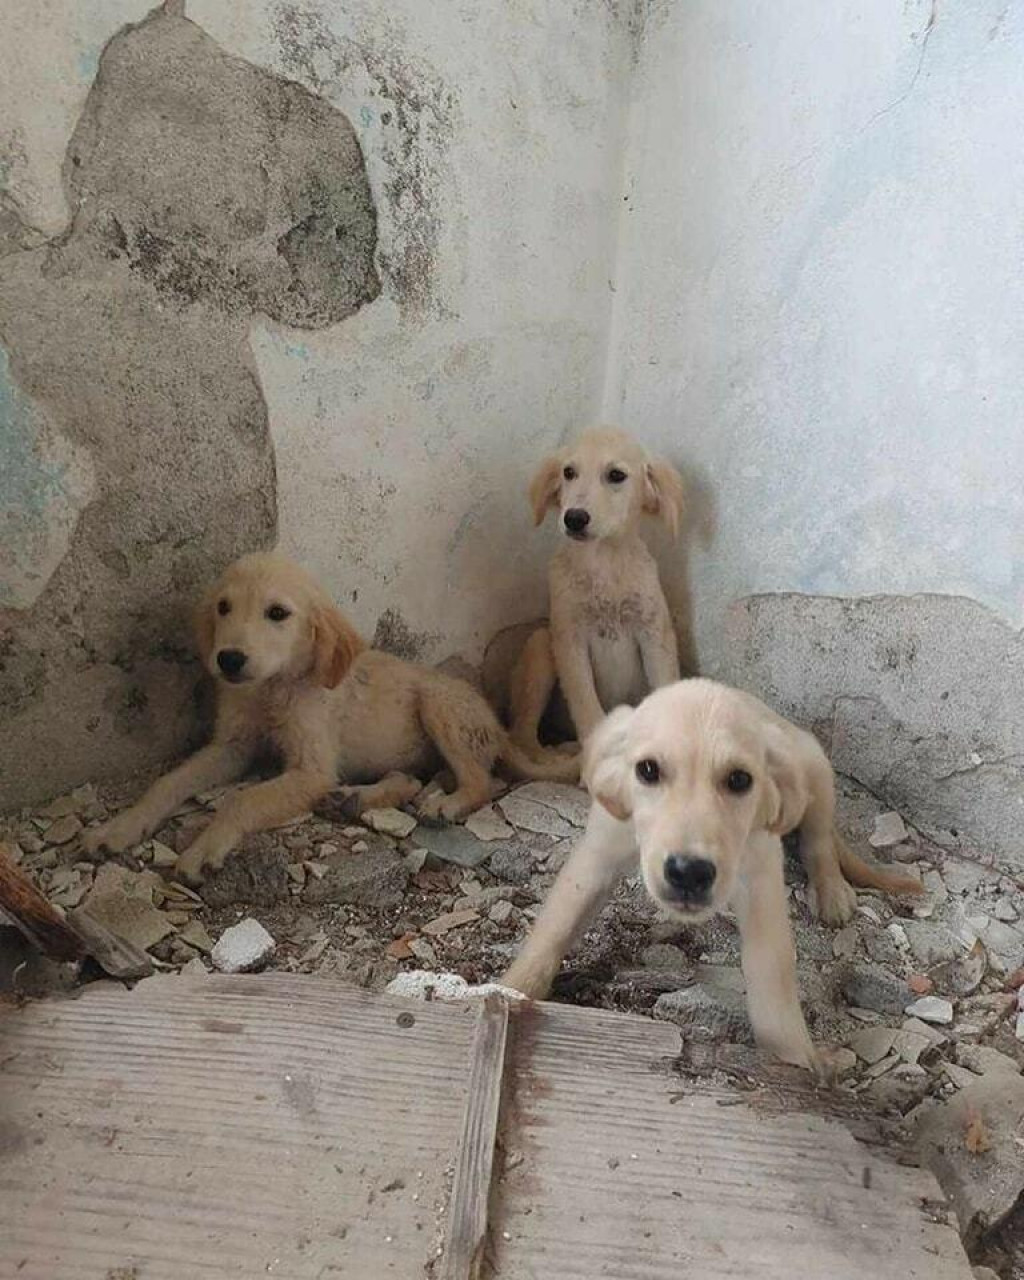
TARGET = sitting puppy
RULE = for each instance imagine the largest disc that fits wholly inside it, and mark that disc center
(293, 675)
(698, 784)
(610, 639)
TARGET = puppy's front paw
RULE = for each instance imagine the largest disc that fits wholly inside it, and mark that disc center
(438, 809)
(118, 835)
(833, 901)
(207, 852)
(532, 982)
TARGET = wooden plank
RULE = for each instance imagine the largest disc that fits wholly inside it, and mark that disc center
(42, 923)
(615, 1166)
(269, 1125)
(471, 1186)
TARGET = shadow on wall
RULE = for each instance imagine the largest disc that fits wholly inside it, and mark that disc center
(136, 452)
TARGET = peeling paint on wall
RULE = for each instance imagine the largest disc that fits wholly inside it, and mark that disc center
(203, 191)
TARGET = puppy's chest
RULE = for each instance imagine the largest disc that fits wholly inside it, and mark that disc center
(612, 616)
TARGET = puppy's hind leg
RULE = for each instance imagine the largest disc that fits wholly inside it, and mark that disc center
(468, 736)
(391, 792)
(531, 685)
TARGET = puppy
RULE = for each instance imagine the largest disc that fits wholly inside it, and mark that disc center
(610, 639)
(294, 676)
(698, 784)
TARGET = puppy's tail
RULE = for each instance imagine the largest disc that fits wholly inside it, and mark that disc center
(865, 876)
(555, 768)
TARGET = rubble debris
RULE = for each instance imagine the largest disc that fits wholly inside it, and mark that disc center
(487, 824)
(243, 947)
(872, 987)
(450, 920)
(707, 1013)
(390, 822)
(454, 844)
(422, 984)
(931, 1009)
(873, 1043)
(889, 829)
(122, 901)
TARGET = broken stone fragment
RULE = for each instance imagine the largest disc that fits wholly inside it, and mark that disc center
(707, 1013)
(390, 822)
(487, 824)
(122, 901)
(63, 830)
(931, 1009)
(889, 829)
(872, 987)
(873, 1043)
(243, 947)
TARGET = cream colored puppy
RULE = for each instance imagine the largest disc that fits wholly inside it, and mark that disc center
(610, 639)
(293, 675)
(698, 784)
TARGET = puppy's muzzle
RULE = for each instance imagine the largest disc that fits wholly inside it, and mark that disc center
(576, 521)
(232, 664)
(689, 880)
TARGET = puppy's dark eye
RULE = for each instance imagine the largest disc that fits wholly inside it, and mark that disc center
(648, 771)
(739, 781)
(223, 608)
(278, 613)
(569, 473)
(616, 475)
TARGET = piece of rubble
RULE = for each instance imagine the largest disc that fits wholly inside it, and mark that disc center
(376, 878)
(842, 1062)
(254, 874)
(243, 947)
(122, 901)
(889, 829)
(1005, 911)
(196, 936)
(963, 975)
(423, 951)
(930, 943)
(873, 1043)
(666, 958)
(983, 1060)
(454, 844)
(501, 913)
(958, 1076)
(421, 984)
(400, 949)
(931, 1009)
(450, 920)
(1003, 942)
(569, 802)
(487, 824)
(390, 822)
(707, 1013)
(882, 1066)
(531, 815)
(67, 887)
(920, 984)
(910, 1045)
(513, 863)
(63, 830)
(162, 855)
(872, 987)
(983, 1186)
(844, 943)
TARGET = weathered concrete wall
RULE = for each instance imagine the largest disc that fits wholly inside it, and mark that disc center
(323, 275)
(818, 307)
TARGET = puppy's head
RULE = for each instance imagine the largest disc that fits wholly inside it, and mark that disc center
(266, 617)
(602, 484)
(698, 776)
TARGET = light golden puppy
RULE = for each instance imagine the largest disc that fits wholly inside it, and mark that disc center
(698, 784)
(293, 675)
(610, 638)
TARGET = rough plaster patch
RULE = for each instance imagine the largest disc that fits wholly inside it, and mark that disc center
(919, 698)
(45, 482)
(410, 123)
(203, 191)
(394, 635)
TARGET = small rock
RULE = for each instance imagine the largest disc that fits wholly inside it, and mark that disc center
(844, 944)
(889, 829)
(414, 858)
(982, 1060)
(873, 1043)
(193, 969)
(898, 934)
(842, 1062)
(242, 948)
(864, 1015)
(390, 822)
(883, 1065)
(869, 913)
(255, 874)
(920, 984)
(530, 815)
(162, 856)
(423, 951)
(296, 873)
(400, 949)
(930, 944)
(315, 869)
(931, 1009)
(196, 936)
(984, 1187)
(122, 901)
(666, 959)
(875, 988)
(984, 1273)
(501, 913)
(513, 863)
(910, 1045)
(376, 878)
(959, 1077)
(450, 920)
(707, 1013)
(454, 844)
(488, 824)
(63, 830)
(1005, 911)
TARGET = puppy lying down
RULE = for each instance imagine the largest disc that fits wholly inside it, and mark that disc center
(698, 784)
(294, 676)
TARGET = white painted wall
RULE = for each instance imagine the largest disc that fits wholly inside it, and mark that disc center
(405, 436)
(820, 292)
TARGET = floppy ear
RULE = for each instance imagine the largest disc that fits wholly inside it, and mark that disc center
(203, 624)
(605, 770)
(785, 794)
(336, 645)
(663, 493)
(544, 487)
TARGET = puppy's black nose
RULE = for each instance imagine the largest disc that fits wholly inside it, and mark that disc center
(576, 519)
(231, 662)
(691, 878)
